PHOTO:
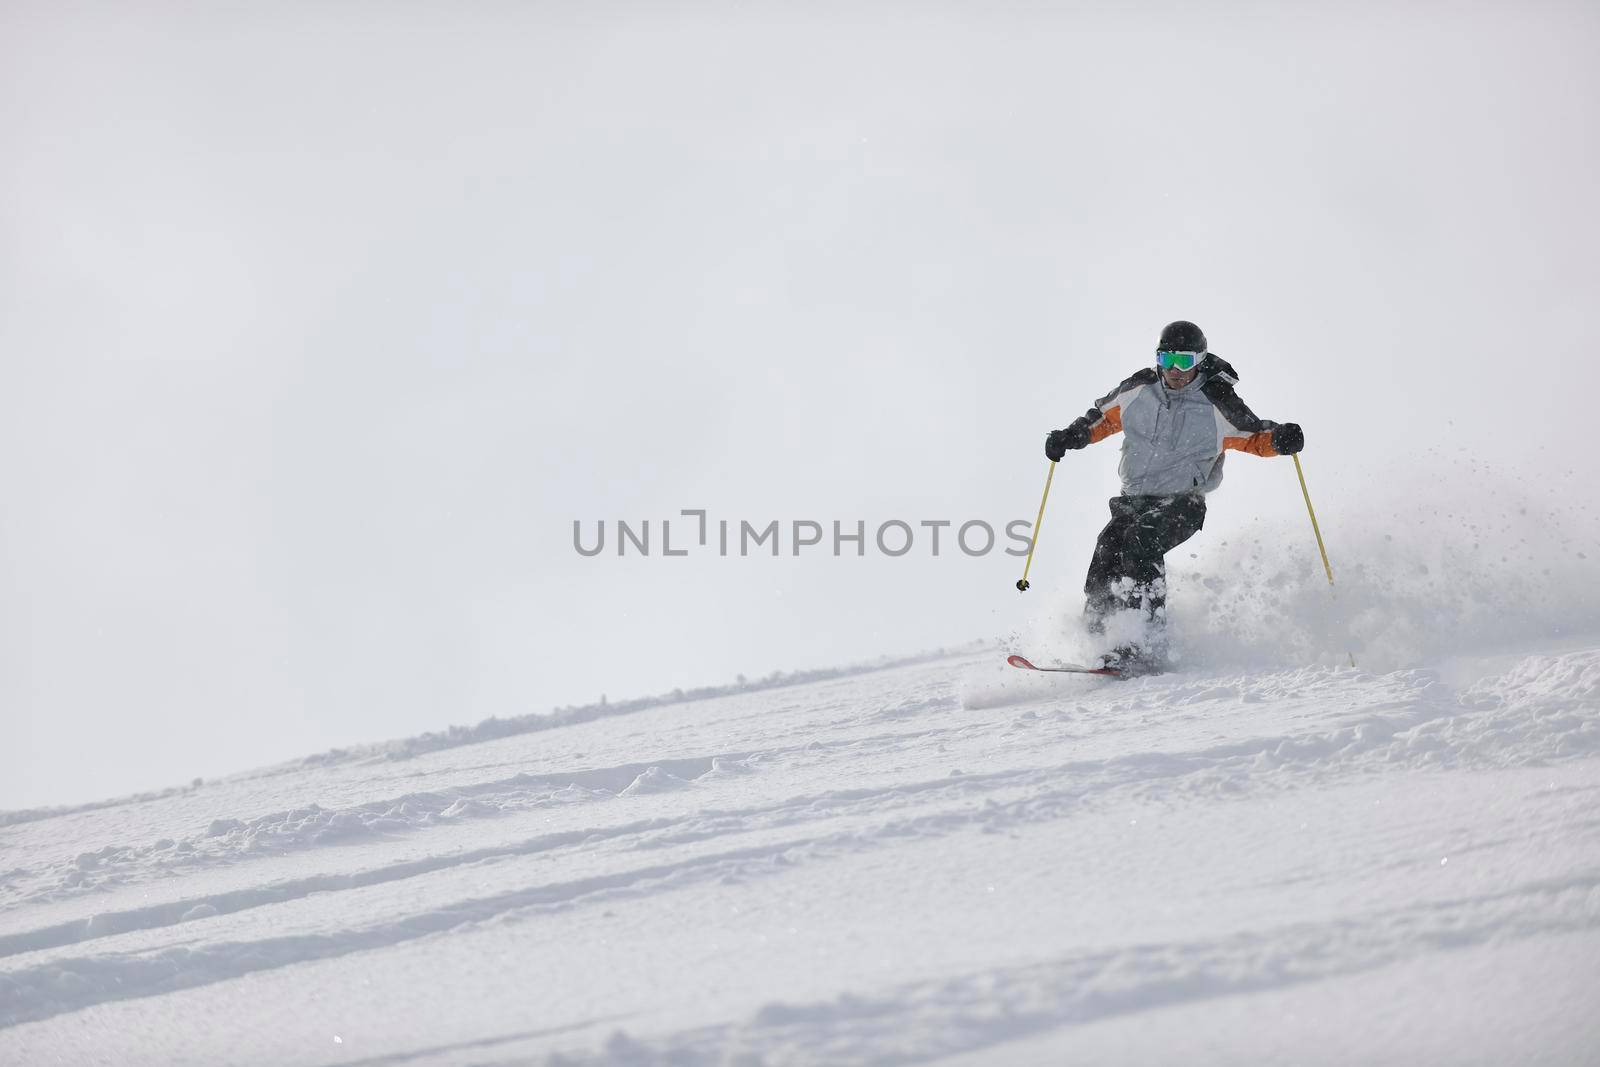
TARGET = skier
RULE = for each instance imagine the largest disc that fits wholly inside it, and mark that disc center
(1177, 419)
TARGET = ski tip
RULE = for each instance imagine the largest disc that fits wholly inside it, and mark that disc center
(1018, 661)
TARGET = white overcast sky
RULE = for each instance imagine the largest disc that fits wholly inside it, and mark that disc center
(321, 323)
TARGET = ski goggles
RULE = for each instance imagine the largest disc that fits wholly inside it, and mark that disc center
(1178, 360)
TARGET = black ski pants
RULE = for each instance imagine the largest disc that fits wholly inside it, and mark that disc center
(1129, 567)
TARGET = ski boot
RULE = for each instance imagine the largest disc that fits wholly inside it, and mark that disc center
(1131, 661)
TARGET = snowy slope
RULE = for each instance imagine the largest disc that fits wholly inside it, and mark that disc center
(946, 860)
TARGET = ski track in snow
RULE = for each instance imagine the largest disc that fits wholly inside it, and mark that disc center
(86, 922)
(923, 1021)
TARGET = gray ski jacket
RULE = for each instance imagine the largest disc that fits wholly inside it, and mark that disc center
(1174, 439)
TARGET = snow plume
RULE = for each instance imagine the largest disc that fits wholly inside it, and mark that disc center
(1459, 561)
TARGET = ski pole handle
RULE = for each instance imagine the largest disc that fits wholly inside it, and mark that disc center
(1022, 583)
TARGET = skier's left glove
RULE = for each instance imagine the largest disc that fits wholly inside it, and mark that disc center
(1287, 439)
(1057, 442)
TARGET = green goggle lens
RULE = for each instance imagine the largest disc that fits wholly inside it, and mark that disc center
(1177, 360)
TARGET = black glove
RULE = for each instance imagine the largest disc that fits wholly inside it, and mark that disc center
(1057, 442)
(1287, 439)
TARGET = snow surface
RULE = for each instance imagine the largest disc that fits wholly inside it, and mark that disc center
(947, 861)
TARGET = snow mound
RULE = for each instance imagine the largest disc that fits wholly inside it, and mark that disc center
(722, 767)
(655, 780)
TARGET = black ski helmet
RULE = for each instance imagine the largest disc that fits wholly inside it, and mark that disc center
(1182, 336)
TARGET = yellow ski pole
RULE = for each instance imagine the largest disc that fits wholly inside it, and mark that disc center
(1326, 566)
(1022, 583)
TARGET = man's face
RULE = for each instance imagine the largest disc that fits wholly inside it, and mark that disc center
(1177, 379)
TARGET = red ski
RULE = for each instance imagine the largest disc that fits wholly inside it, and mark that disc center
(1067, 668)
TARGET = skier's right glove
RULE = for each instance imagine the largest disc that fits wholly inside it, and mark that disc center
(1287, 439)
(1058, 441)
